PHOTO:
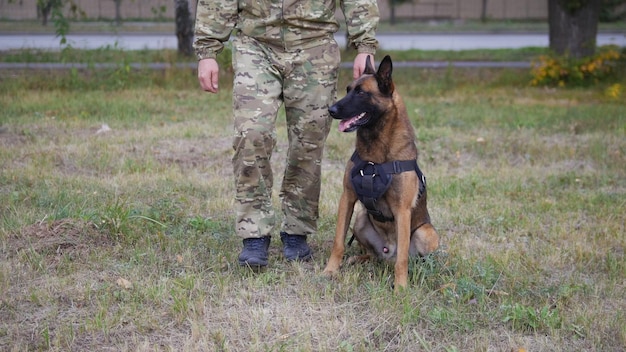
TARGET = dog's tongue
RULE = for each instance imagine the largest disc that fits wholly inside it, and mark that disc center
(343, 125)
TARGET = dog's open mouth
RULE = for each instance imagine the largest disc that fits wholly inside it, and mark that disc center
(353, 123)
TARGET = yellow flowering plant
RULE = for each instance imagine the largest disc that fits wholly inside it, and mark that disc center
(549, 70)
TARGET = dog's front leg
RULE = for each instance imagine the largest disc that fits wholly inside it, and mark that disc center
(344, 215)
(403, 229)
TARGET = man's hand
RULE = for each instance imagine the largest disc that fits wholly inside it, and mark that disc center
(359, 64)
(208, 74)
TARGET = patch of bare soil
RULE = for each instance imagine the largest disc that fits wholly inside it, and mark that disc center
(194, 154)
(11, 139)
(58, 238)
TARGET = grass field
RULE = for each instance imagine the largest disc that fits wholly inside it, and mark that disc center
(116, 222)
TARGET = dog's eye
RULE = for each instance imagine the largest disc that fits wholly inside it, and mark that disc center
(361, 92)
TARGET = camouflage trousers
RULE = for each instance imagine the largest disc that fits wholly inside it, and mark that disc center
(266, 78)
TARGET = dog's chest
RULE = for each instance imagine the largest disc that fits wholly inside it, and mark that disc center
(372, 181)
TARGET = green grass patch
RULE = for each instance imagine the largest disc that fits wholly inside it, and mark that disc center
(112, 54)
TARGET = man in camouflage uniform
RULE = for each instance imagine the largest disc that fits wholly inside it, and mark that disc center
(284, 52)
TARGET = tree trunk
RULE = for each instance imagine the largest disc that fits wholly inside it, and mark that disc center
(184, 27)
(573, 27)
(118, 12)
(483, 12)
(43, 9)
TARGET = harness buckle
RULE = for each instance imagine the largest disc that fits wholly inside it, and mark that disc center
(373, 169)
(396, 167)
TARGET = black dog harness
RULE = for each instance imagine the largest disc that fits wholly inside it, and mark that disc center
(370, 181)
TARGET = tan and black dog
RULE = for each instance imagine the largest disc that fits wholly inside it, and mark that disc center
(391, 220)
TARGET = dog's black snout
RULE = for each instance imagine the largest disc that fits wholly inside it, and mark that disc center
(333, 110)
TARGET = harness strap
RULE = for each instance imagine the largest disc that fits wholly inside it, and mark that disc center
(390, 167)
(353, 237)
(370, 181)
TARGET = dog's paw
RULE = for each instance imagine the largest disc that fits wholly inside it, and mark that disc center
(330, 272)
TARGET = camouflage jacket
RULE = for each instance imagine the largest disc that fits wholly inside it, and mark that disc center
(289, 24)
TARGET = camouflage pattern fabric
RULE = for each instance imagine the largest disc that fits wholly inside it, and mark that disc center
(266, 77)
(284, 53)
(288, 24)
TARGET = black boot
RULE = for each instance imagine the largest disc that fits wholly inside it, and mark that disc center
(295, 247)
(254, 252)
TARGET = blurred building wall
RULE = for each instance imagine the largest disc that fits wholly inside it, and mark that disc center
(467, 9)
(95, 9)
(418, 9)
(147, 10)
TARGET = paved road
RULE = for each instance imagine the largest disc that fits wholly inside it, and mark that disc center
(387, 41)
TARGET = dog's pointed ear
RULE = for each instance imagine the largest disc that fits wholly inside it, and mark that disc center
(369, 66)
(383, 76)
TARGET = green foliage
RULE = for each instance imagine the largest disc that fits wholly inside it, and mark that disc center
(561, 71)
(55, 8)
(61, 24)
(205, 225)
(117, 221)
(525, 318)
(572, 6)
(158, 12)
(612, 10)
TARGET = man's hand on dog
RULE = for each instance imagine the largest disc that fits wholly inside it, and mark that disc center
(359, 64)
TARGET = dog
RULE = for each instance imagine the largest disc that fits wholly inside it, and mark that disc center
(391, 217)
